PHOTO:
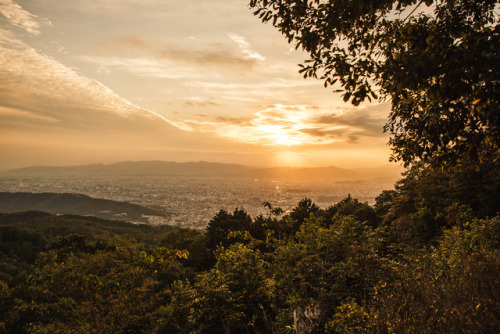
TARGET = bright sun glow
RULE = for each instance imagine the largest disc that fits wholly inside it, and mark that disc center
(288, 130)
(279, 135)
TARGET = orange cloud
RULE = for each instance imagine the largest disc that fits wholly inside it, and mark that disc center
(218, 56)
(18, 17)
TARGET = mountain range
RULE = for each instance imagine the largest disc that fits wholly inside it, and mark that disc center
(202, 168)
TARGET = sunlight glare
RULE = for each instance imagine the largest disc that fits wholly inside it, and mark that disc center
(290, 159)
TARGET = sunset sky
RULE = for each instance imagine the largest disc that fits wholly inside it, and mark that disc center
(86, 81)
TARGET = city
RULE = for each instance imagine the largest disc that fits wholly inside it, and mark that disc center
(191, 201)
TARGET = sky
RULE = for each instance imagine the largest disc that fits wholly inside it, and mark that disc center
(102, 81)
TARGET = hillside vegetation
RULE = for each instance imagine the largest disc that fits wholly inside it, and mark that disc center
(424, 259)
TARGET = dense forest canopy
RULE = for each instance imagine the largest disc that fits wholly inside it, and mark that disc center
(436, 61)
(420, 260)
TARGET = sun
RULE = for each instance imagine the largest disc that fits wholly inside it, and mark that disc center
(279, 135)
(285, 139)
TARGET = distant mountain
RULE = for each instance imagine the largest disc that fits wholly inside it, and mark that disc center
(166, 168)
(131, 168)
(74, 204)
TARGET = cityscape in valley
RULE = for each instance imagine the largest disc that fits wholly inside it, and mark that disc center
(190, 194)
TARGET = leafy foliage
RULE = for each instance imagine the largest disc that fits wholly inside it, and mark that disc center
(236, 295)
(351, 207)
(453, 288)
(218, 228)
(324, 267)
(429, 200)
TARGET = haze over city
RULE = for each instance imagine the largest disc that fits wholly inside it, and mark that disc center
(106, 81)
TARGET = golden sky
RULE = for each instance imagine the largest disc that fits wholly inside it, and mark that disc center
(86, 81)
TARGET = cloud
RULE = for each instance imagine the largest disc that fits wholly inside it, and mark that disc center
(144, 66)
(242, 121)
(366, 121)
(276, 125)
(198, 102)
(13, 115)
(296, 125)
(245, 47)
(271, 84)
(218, 56)
(18, 17)
(268, 90)
(35, 88)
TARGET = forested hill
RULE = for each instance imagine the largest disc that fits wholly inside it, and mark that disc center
(75, 204)
(52, 227)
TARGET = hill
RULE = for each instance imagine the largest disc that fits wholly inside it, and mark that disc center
(52, 226)
(75, 204)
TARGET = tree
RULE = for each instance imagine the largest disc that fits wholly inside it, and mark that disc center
(111, 285)
(236, 296)
(301, 212)
(222, 223)
(349, 206)
(438, 66)
(322, 268)
(451, 288)
(428, 201)
(195, 242)
(383, 202)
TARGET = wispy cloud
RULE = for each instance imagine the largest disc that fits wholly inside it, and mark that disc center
(144, 66)
(41, 88)
(18, 17)
(245, 47)
(199, 102)
(266, 90)
(218, 56)
(271, 127)
(14, 115)
(273, 83)
(50, 112)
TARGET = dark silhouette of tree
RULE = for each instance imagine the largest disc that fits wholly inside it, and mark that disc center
(383, 202)
(349, 206)
(222, 223)
(303, 210)
(194, 241)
